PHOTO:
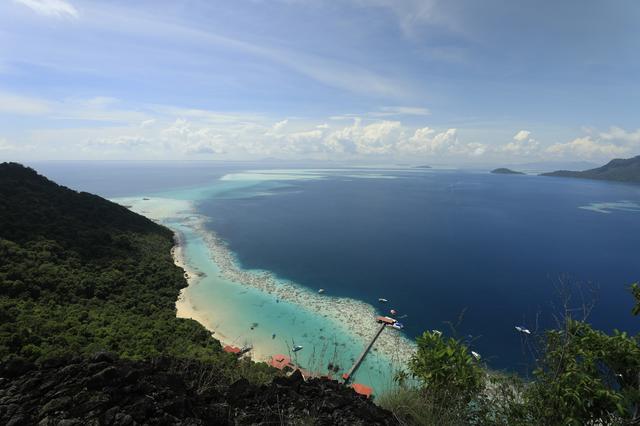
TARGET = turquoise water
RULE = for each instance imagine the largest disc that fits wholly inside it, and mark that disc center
(243, 315)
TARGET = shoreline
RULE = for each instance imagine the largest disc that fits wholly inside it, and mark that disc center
(184, 305)
(358, 316)
(351, 321)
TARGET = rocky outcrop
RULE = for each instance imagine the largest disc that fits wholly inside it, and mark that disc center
(104, 390)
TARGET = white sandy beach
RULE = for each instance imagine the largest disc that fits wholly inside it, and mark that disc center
(355, 318)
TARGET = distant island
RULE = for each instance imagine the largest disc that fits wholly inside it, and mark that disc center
(505, 171)
(422, 167)
(621, 170)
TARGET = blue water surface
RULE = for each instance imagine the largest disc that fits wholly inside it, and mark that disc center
(492, 250)
(437, 244)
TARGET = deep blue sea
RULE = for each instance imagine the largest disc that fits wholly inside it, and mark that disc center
(440, 244)
(487, 251)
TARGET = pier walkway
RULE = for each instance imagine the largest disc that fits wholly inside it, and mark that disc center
(354, 367)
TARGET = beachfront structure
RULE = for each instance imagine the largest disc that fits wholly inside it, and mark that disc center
(283, 363)
(386, 320)
(362, 389)
(232, 350)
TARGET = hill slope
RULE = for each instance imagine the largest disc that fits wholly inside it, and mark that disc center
(622, 170)
(80, 275)
(103, 390)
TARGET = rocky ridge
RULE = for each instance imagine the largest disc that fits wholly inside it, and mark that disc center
(105, 390)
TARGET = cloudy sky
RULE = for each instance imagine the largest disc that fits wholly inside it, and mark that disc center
(424, 81)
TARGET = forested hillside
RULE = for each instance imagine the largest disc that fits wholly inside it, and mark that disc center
(80, 274)
(86, 286)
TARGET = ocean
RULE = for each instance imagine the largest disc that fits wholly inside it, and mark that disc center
(466, 252)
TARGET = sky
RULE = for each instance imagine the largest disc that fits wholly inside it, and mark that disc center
(459, 82)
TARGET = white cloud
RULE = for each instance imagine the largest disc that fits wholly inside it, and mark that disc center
(7, 147)
(588, 147)
(618, 134)
(98, 108)
(522, 135)
(191, 138)
(414, 15)
(310, 135)
(523, 145)
(118, 142)
(400, 110)
(375, 138)
(427, 141)
(280, 125)
(616, 142)
(23, 105)
(57, 8)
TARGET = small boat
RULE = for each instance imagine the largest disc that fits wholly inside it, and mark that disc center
(321, 291)
(273, 336)
(437, 332)
(296, 348)
(476, 355)
(393, 312)
(381, 300)
(522, 330)
(397, 325)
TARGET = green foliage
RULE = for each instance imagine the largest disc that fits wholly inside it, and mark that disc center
(448, 378)
(446, 365)
(412, 407)
(583, 376)
(586, 376)
(81, 274)
(635, 290)
(501, 402)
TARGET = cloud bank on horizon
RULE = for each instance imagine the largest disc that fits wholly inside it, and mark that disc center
(424, 81)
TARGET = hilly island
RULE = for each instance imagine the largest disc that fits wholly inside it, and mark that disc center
(621, 170)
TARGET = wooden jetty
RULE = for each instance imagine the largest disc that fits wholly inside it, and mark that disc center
(346, 376)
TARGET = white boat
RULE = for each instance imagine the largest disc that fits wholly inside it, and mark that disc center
(296, 348)
(522, 330)
(321, 291)
(381, 300)
(437, 332)
(397, 325)
(476, 355)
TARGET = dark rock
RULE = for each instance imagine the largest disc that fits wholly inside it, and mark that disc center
(16, 367)
(55, 405)
(101, 378)
(18, 420)
(103, 357)
(94, 367)
(123, 419)
(55, 362)
(69, 422)
(104, 391)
